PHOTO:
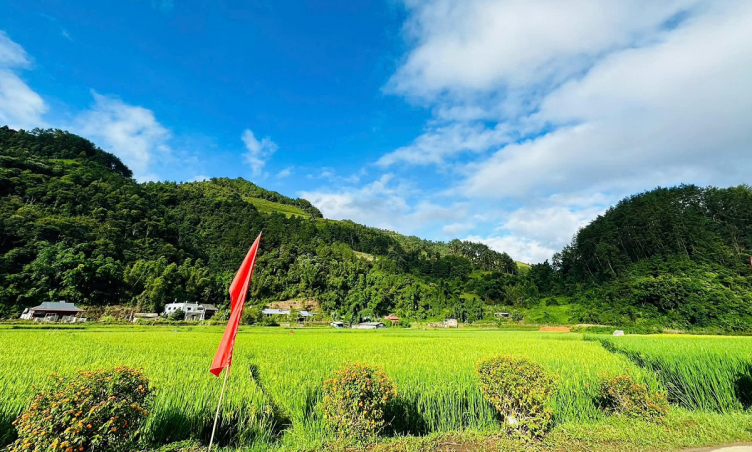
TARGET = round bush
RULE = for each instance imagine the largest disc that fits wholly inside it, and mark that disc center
(520, 389)
(355, 399)
(622, 395)
(101, 410)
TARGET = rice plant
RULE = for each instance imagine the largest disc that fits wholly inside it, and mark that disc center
(699, 372)
(433, 371)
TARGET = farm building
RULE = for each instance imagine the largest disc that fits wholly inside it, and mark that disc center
(144, 316)
(193, 311)
(337, 324)
(302, 315)
(450, 323)
(505, 315)
(52, 311)
(369, 326)
(392, 317)
(271, 312)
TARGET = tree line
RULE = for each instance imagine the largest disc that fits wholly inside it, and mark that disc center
(75, 226)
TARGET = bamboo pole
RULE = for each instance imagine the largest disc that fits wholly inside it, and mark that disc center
(216, 415)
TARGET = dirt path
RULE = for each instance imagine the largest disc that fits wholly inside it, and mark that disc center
(732, 448)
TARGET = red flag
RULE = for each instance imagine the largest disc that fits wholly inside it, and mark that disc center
(238, 292)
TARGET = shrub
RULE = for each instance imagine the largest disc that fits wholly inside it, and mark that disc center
(622, 395)
(520, 389)
(355, 400)
(177, 316)
(99, 410)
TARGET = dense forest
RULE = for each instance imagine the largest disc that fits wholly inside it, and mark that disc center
(677, 257)
(75, 226)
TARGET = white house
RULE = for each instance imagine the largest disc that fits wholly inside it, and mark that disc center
(369, 326)
(193, 311)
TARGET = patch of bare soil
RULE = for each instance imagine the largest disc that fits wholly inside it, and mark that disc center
(555, 329)
(300, 305)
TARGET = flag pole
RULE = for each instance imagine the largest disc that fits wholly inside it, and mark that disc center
(216, 415)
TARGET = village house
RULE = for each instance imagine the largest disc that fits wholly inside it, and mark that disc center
(302, 315)
(369, 326)
(392, 318)
(450, 323)
(193, 311)
(53, 311)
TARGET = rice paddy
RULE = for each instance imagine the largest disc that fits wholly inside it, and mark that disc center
(275, 383)
(698, 372)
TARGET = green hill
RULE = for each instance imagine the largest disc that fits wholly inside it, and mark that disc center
(74, 225)
(676, 257)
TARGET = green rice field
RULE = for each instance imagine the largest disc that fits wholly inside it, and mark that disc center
(274, 386)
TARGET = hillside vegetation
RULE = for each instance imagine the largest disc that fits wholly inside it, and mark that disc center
(676, 257)
(74, 225)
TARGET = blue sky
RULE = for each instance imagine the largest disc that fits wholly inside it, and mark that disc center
(503, 121)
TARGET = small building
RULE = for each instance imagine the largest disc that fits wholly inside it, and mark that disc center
(505, 315)
(392, 318)
(271, 312)
(302, 315)
(618, 333)
(337, 324)
(369, 326)
(144, 316)
(193, 311)
(52, 311)
(450, 323)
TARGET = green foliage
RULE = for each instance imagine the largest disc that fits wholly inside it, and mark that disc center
(521, 391)
(177, 316)
(675, 257)
(74, 226)
(432, 369)
(100, 410)
(355, 400)
(697, 373)
(621, 395)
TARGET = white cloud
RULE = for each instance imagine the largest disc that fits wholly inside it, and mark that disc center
(384, 203)
(454, 230)
(441, 142)
(259, 152)
(469, 45)
(130, 132)
(199, 178)
(674, 111)
(550, 110)
(20, 106)
(551, 226)
(287, 172)
(519, 248)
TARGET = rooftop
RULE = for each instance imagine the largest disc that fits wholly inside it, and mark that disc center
(57, 306)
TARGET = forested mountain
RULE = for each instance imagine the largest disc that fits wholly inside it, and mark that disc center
(672, 256)
(74, 225)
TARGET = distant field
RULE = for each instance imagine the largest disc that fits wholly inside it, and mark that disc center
(433, 370)
(265, 206)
